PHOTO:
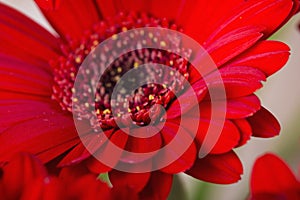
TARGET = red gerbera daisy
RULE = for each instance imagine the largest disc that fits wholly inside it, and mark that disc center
(273, 179)
(39, 69)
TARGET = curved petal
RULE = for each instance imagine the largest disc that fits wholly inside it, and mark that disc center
(264, 124)
(133, 181)
(221, 169)
(267, 56)
(182, 151)
(146, 146)
(17, 175)
(90, 143)
(24, 39)
(39, 129)
(158, 187)
(277, 179)
(70, 18)
(255, 13)
(233, 43)
(228, 137)
(207, 14)
(236, 108)
(88, 187)
(110, 153)
(238, 80)
(245, 130)
(19, 76)
(185, 102)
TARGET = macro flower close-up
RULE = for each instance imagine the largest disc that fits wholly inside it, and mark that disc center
(61, 123)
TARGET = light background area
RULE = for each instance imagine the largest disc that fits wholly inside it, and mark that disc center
(281, 95)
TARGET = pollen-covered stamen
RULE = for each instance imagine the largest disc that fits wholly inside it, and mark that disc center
(129, 104)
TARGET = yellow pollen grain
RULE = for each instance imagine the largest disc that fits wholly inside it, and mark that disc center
(72, 74)
(78, 59)
(119, 69)
(171, 62)
(151, 97)
(138, 108)
(114, 37)
(164, 85)
(87, 105)
(129, 110)
(117, 78)
(118, 115)
(163, 44)
(95, 43)
(98, 111)
(75, 100)
(150, 35)
(124, 29)
(136, 65)
(171, 73)
(73, 90)
(106, 111)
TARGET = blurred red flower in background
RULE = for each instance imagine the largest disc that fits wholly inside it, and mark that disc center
(25, 177)
(38, 71)
(273, 179)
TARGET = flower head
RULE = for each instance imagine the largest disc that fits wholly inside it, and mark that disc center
(40, 70)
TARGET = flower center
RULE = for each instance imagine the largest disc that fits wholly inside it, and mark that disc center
(138, 103)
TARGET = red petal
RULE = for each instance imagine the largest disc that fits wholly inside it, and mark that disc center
(182, 151)
(95, 166)
(270, 174)
(256, 13)
(133, 181)
(238, 80)
(46, 189)
(267, 56)
(18, 76)
(107, 8)
(110, 153)
(227, 140)
(43, 129)
(176, 10)
(75, 156)
(233, 43)
(236, 108)
(72, 173)
(221, 142)
(25, 39)
(88, 187)
(158, 187)
(208, 14)
(92, 142)
(19, 173)
(187, 100)
(72, 18)
(245, 130)
(144, 146)
(221, 169)
(48, 5)
(264, 124)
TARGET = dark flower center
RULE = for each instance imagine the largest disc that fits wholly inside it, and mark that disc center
(134, 104)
